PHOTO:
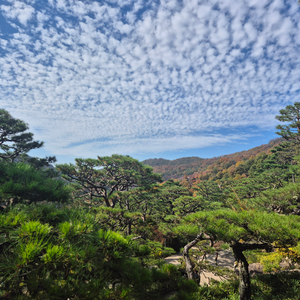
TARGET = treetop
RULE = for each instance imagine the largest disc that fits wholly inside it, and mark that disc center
(14, 139)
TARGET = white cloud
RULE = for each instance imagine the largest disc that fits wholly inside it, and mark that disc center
(92, 76)
(18, 10)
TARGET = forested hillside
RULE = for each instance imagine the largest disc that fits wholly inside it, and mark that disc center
(197, 168)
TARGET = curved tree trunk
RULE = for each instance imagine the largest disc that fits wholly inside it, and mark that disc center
(186, 256)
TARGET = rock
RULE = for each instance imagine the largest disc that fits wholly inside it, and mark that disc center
(285, 264)
(255, 269)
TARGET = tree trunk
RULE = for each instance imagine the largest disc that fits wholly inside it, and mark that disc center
(244, 276)
(129, 228)
(293, 178)
(187, 259)
(188, 263)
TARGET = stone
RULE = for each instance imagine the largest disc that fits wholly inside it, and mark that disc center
(285, 264)
(255, 269)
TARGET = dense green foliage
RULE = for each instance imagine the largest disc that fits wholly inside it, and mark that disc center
(100, 178)
(20, 182)
(290, 114)
(14, 138)
(102, 231)
(50, 253)
(248, 225)
(264, 287)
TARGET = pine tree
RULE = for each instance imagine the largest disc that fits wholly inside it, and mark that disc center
(14, 138)
(246, 230)
(290, 114)
(101, 178)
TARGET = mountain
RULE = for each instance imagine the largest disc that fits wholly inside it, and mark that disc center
(156, 162)
(197, 168)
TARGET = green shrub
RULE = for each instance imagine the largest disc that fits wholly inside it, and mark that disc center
(75, 258)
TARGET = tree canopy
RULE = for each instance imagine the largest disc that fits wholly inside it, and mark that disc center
(14, 138)
(22, 183)
(101, 178)
(291, 115)
(245, 230)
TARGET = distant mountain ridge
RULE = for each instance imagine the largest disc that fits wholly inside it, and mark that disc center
(206, 168)
(154, 162)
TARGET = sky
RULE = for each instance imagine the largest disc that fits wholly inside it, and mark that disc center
(149, 78)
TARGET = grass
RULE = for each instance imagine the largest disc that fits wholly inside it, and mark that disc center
(278, 286)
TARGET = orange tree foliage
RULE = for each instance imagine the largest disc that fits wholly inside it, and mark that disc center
(198, 169)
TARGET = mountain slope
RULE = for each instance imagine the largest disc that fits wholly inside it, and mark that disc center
(207, 168)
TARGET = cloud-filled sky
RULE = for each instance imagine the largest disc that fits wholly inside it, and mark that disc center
(149, 78)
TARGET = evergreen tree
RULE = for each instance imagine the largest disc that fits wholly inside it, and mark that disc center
(38, 163)
(290, 114)
(246, 230)
(101, 178)
(14, 138)
(50, 253)
(20, 182)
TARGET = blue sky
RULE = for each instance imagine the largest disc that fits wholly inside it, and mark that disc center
(149, 78)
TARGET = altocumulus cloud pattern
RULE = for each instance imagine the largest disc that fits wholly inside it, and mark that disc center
(101, 77)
